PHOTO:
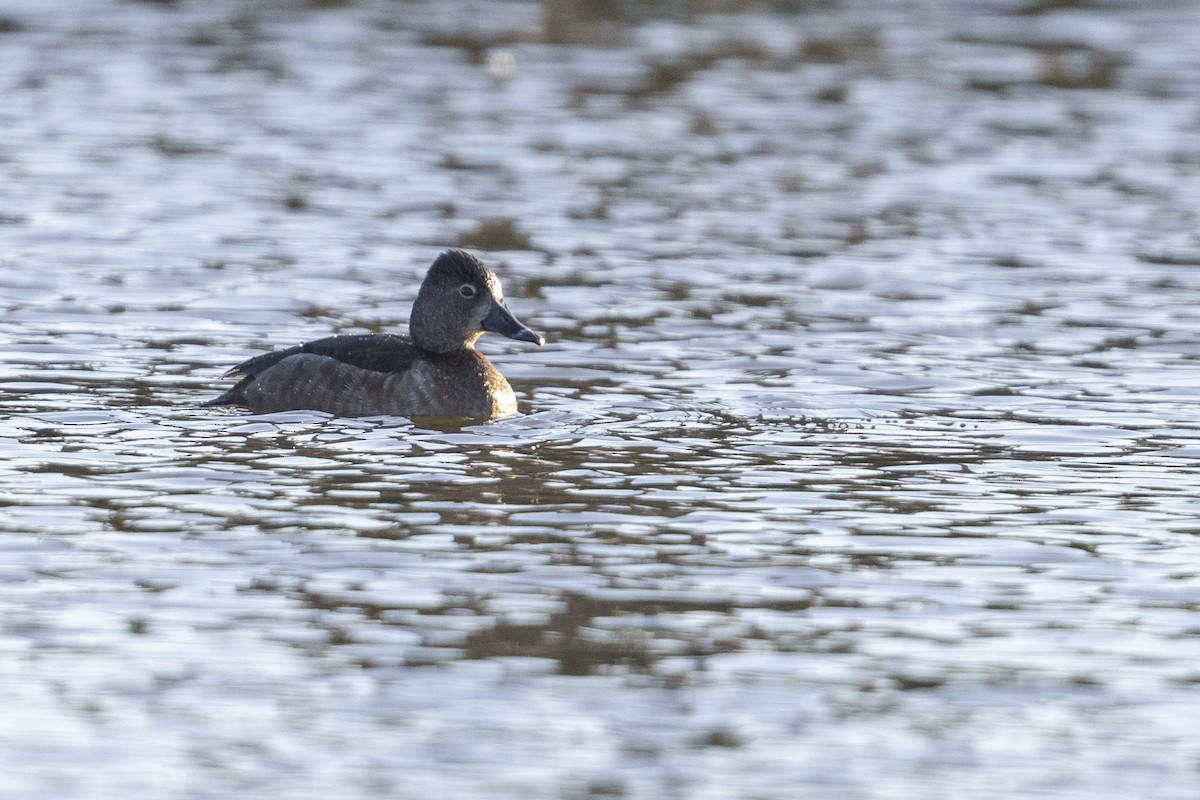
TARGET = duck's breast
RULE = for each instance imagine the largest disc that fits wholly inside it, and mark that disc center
(462, 385)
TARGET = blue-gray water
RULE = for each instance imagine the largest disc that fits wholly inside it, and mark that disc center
(861, 463)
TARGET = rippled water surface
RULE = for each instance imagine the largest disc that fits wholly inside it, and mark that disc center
(861, 462)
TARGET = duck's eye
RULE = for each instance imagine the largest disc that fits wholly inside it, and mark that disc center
(466, 290)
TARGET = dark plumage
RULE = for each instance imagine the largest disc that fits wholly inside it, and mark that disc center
(434, 372)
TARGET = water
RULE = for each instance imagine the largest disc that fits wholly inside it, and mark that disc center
(861, 461)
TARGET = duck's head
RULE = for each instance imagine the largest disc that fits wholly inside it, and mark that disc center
(460, 300)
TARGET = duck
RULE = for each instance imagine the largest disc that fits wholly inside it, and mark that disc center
(434, 371)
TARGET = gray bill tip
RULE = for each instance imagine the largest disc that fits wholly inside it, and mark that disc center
(500, 320)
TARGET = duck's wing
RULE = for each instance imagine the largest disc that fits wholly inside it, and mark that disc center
(376, 352)
(382, 353)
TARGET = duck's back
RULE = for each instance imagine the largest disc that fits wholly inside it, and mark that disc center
(367, 375)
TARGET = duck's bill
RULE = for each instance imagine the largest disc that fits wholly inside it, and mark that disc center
(500, 320)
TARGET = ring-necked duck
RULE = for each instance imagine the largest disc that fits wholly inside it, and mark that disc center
(434, 372)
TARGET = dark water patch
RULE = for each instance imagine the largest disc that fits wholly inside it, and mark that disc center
(497, 233)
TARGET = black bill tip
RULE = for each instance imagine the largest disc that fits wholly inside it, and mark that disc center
(500, 320)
